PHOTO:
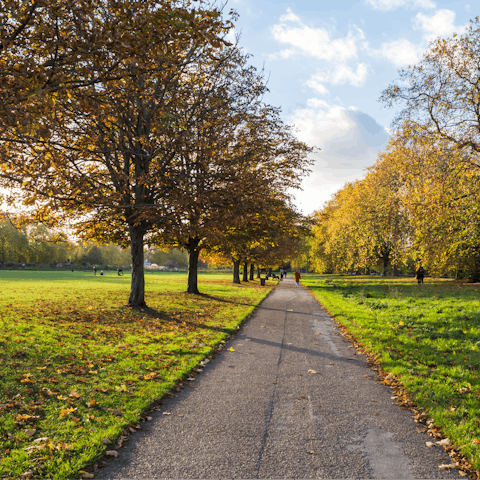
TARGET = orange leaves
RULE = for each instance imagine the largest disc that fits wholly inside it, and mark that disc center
(64, 412)
(92, 403)
(26, 378)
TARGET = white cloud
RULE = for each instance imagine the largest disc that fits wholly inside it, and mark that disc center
(349, 141)
(400, 52)
(386, 5)
(440, 24)
(318, 43)
(315, 42)
(289, 17)
(317, 86)
(341, 75)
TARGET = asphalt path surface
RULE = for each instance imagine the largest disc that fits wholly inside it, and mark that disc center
(293, 400)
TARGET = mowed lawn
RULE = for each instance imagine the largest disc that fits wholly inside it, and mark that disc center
(426, 335)
(77, 367)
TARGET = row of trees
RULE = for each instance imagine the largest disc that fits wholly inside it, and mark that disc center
(136, 122)
(39, 245)
(419, 203)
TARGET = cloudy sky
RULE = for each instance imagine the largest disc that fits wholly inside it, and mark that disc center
(327, 64)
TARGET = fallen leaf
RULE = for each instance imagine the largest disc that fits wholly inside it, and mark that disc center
(463, 474)
(314, 453)
(429, 444)
(232, 349)
(315, 343)
(66, 411)
(92, 403)
(445, 442)
(312, 371)
(166, 413)
(88, 475)
(191, 379)
(27, 474)
(112, 453)
(30, 432)
(454, 466)
(106, 441)
(38, 440)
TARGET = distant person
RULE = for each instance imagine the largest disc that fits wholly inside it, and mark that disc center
(281, 274)
(297, 277)
(94, 271)
(420, 275)
(101, 273)
(120, 271)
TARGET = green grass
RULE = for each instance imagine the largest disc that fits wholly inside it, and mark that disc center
(78, 367)
(427, 335)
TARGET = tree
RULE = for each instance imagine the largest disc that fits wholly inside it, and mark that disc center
(101, 152)
(440, 96)
(237, 155)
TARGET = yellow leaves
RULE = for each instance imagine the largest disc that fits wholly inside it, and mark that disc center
(22, 418)
(232, 349)
(92, 403)
(121, 388)
(401, 323)
(27, 378)
(66, 411)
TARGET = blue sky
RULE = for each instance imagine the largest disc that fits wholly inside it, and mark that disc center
(328, 63)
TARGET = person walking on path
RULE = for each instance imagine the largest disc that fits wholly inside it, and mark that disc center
(297, 277)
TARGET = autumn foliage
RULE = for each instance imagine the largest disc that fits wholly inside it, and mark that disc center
(136, 122)
(419, 204)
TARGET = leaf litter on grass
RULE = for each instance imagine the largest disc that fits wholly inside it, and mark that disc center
(425, 340)
(79, 369)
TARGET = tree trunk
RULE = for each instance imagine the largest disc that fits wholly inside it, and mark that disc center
(252, 271)
(385, 264)
(236, 271)
(396, 272)
(137, 286)
(258, 272)
(193, 253)
(245, 272)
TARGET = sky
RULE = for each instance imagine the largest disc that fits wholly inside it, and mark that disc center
(327, 64)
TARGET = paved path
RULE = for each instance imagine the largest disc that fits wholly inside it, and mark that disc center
(257, 412)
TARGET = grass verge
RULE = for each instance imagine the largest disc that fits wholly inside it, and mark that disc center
(77, 367)
(427, 335)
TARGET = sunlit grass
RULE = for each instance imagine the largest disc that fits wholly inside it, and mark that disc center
(427, 335)
(77, 366)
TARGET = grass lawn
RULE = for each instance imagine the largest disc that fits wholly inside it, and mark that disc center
(78, 367)
(426, 335)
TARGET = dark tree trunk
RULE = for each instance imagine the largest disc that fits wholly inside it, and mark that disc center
(258, 272)
(385, 265)
(385, 258)
(137, 287)
(245, 272)
(252, 271)
(396, 272)
(236, 271)
(193, 253)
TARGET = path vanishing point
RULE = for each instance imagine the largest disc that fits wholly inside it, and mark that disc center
(258, 412)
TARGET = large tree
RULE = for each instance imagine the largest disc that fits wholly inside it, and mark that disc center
(102, 152)
(440, 96)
